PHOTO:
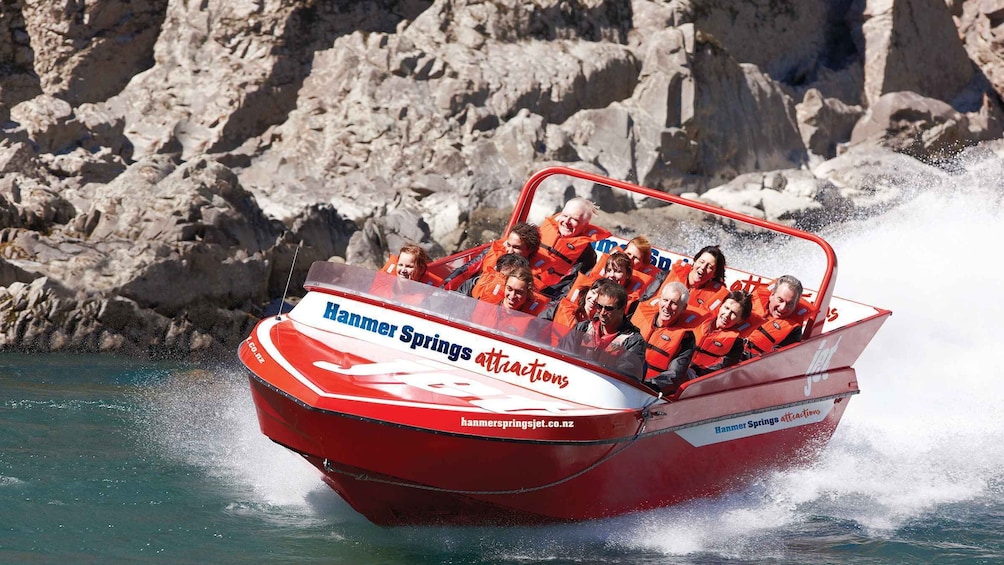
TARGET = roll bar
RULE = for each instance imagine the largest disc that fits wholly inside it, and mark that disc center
(822, 303)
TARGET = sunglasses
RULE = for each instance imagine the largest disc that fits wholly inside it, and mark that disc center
(606, 308)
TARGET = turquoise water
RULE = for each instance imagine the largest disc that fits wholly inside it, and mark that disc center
(104, 460)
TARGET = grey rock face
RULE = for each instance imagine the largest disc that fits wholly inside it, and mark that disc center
(163, 162)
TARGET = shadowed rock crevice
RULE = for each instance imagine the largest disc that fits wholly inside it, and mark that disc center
(18, 79)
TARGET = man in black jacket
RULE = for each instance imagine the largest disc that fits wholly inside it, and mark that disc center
(609, 340)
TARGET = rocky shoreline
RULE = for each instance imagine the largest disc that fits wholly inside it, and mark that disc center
(160, 161)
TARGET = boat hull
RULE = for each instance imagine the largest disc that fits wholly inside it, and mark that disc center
(398, 475)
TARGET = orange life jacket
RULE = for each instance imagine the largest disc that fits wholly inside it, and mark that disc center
(712, 345)
(489, 283)
(495, 293)
(763, 332)
(635, 286)
(565, 314)
(661, 345)
(648, 272)
(500, 318)
(496, 250)
(487, 256)
(586, 280)
(557, 254)
(611, 344)
(644, 316)
(427, 278)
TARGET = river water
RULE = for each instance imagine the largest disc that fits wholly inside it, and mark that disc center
(105, 460)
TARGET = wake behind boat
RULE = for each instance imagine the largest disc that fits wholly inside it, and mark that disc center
(421, 405)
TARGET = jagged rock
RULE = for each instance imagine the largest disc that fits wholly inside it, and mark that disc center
(98, 167)
(825, 123)
(793, 197)
(785, 33)
(906, 122)
(980, 26)
(605, 138)
(156, 206)
(37, 204)
(49, 122)
(743, 121)
(909, 45)
(78, 46)
(20, 82)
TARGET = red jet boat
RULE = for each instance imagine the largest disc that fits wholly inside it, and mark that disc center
(417, 411)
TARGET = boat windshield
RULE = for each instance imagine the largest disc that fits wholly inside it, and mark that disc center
(434, 303)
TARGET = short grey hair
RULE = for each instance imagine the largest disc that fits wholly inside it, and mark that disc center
(792, 282)
(586, 206)
(679, 287)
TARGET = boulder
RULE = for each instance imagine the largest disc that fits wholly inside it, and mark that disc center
(825, 123)
(792, 197)
(909, 123)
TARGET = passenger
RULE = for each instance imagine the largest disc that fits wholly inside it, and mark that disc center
(411, 263)
(511, 286)
(522, 239)
(566, 244)
(609, 340)
(704, 278)
(639, 249)
(646, 311)
(668, 330)
(616, 267)
(719, 344)
(493, 281)
(513, 313)
(576, 306)
(779, 318)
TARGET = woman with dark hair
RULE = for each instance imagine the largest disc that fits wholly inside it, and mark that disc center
(704, 277)
(578, 305)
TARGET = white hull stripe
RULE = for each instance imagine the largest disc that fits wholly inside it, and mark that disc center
(756, 424)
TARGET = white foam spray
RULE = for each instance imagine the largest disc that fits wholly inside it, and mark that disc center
(924, 432)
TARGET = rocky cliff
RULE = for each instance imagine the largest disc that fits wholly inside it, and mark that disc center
(160, 159)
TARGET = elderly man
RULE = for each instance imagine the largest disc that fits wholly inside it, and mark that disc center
(566, 243)
(667, 325)
(609, 340)
(780, 321)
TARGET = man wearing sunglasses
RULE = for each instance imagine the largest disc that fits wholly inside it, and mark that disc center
(609, 339)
